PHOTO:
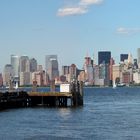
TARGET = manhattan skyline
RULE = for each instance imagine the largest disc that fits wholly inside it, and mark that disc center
(71, 29)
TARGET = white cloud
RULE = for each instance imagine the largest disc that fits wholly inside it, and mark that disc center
(90, 2)
(78, 8)
(71, 11)
(128, 31)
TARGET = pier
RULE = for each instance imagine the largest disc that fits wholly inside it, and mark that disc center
(71, 98)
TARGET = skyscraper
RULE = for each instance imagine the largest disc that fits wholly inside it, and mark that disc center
(7, 75)
(24, 64)
(33, 65)
(52, 66)
(88, 68)
(104, 57)
(65, 70)
(25, 70)
(15, 65)
(123, 57)
(138, 55)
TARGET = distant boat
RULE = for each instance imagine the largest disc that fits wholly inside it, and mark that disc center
(121, 84)
(118, 85)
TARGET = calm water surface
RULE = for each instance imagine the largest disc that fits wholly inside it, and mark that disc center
(107, 114)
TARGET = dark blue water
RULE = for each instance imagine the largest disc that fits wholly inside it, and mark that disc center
(107, 114)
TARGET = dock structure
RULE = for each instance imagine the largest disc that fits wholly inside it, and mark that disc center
(71, 98)
(50, 99)
(13, 99)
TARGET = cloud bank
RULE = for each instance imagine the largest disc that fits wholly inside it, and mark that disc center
(78, 8)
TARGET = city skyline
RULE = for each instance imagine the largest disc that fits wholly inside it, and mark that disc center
(37, 28)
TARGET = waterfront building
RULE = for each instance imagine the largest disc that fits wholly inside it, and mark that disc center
(7, 74)
(126, 77)
(88, 68)
(136, 77)
(15, 65)
(104, 73)
(112, 62)
(117, 73)
(104, 57)
(33, 65)
(123, 57)
(52, 66)
(96, 75)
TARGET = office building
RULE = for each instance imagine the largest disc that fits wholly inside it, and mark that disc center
(1, 80)
(88, 68)
(7, 74)
(65, 70)
(15, 65)
(33, 65)
(104, 57)
(73, 72)
(123, 57)
(24, 64)
(138, 57)
(52, 66)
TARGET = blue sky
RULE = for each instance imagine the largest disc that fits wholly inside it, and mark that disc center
(69, 28)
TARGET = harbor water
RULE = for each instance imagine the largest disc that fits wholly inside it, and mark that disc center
(107, 114)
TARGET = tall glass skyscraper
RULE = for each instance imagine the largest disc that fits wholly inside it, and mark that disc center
(52, 66)
(15, 65)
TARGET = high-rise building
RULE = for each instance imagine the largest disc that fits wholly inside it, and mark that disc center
(7, 74)
(104, 57)
(104, 73)
(47, 60)
(138, 55)
(65, 70)
(39, 77)
(52, 66)
(15, 65)
(73, 72)
(123, 57)
(88, 67)
(112, 62)
(25, 78)
(33, 65)
(24, 64)
(1, 80)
